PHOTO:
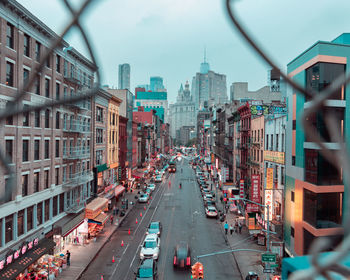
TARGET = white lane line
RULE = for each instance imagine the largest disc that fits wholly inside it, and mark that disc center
(115, 268)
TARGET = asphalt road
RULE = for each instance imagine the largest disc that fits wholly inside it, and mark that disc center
(182, 215)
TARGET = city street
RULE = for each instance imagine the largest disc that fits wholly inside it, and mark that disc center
(182, 215)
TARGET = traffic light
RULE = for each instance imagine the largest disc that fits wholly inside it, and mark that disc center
(200, 271)
(194, 271)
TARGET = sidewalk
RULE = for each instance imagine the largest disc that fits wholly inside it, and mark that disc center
(83, 255)
(246, 260)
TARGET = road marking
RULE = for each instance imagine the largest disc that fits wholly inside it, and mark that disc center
(115, 268)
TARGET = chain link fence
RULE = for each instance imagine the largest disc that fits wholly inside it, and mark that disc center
(338, 158)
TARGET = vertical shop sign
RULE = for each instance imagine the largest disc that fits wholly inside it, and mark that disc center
(269, 178)
(241, 188)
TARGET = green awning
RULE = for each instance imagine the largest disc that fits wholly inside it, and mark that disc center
(102, 167)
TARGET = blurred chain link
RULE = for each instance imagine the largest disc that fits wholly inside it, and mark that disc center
(14, 107)
(338, 158)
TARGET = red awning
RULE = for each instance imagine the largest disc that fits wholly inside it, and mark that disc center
(118, 190)
(137, 174)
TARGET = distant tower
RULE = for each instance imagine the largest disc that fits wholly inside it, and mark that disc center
(204, 69)
(156, 83)
(124, 76)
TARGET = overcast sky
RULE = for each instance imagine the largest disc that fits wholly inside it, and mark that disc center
(167, 37)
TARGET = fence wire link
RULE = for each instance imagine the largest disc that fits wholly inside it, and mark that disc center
(330, 265)
(14, 107)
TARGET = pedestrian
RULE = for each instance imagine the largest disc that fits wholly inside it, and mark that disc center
(221, 198)
(240, 227)
(226, 227)
(231, 229)
(112, 218)
(236, 226)
(68, 257)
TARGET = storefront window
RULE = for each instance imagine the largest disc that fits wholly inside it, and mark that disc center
(20, 222)
(9, 228)
(30, 218)
(54, 209)
(61, 202)
(40, 213)
(47, 210)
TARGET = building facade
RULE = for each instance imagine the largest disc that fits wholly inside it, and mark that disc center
(50, 150)
(124, 76)
(239, 92)
(314, 188)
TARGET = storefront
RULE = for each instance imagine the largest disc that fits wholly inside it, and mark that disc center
(95, 213)
(72, 229)
(31, 257)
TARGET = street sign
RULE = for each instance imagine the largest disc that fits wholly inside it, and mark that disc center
(274, 265)
(268, 258)
(268, 270)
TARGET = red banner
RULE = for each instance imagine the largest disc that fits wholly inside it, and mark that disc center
(241, 189)
(255, 188)
(252, 208)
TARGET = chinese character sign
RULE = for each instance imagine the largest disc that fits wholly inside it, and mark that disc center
(241, 189)
(269, 178)
(255, 188)
(268, 202)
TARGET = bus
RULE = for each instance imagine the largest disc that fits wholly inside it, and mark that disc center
(172, 166)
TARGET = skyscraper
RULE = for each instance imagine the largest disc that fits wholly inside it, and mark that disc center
(208, 86)
(156, 84)
(124, 76)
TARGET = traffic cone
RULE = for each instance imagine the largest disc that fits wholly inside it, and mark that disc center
(122, 244)
(101, 277)
(144, 207)
(136, 221)
(113, 260)
(129, 231)
(151, 197)
(140, 214)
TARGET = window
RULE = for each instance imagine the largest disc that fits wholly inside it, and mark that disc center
(48, 62)
(9, 149)
(292, 196)
(37, 118)
(57, 91)
(26, 45)
(57, 176)
(64, 147)
(54, 206)
(47, 210)
(65, 93)
(39, 213)
(9, 74)
(30, 218)
(36, 182)
(20, 222)
(282, 142)
(98, 157)
(57, 120)
(10, 36)
(99, 114)
(282, 175)
(9, 228)
(25, 76)
(36, 149)
(58, 63)
(276, 142)
(25, 150)
(47, 87)
(293, 160)
(64, 177)
(47, 149)
(271, 148)
(46, 179)
(291, 231)
(65, 68)
(47, 118)
(294, 124)
(99, 136)
(61, 202)
(25, 116)
(267, 141)
(25, 185)
(57, 149)
(9, 120)
(37, 85)
(37, 51)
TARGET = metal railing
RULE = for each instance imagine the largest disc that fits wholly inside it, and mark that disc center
(77, 179)
(76, 126)
(338, 158)
(77, 153)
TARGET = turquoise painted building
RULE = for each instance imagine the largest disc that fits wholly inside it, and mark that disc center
(153, 100)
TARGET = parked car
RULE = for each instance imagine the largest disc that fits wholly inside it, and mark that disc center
(147, 270)
(182, 255)
(150, 247)
(143, 198)
(158, 179)
(211, 212)
(152, 187)
(154, 228)
(209, 203)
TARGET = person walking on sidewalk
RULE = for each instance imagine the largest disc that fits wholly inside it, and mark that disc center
(231, 229)
(240, 227)
(68, 257)
(112, 218)
(226, 227)
(236, 226)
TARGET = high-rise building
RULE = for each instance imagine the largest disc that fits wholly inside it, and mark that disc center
(156, 84)
(182, 113)
(124, 76)
(314, 188)
(208, 86)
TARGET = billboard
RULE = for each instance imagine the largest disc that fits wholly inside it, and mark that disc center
(277, 157)
(269, 178)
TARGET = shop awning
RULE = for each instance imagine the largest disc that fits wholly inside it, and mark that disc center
(95, 207)
(68, 223)
(11, 271)
(101, 167)
(100, 219)
(136, 174)
(118, 190)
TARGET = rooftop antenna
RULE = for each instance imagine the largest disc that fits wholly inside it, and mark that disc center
(205, 54)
